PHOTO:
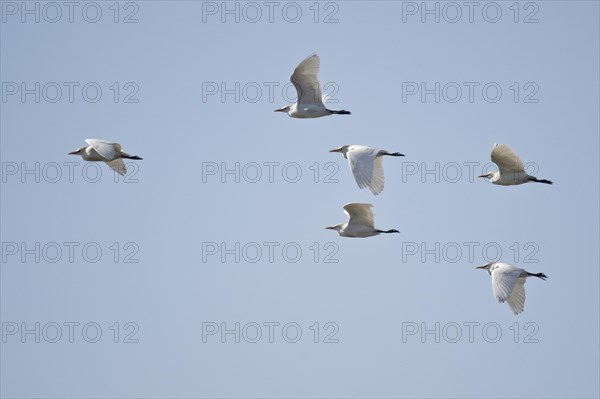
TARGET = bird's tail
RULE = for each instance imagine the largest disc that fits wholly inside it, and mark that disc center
(388, 231)
(131, 156)
(535, 179)
(342, 112)
(395, 154)
(540, 275)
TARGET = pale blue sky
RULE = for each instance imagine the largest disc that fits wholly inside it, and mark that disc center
(171, 211)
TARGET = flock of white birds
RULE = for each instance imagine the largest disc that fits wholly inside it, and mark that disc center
(508, 282)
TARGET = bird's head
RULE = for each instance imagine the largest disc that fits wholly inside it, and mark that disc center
(487, 176)
(335, 227)
(78, 151)
(343, 149)
(283, 109)
(487, 267)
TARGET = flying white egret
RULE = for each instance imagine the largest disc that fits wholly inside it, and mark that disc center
(360, 222)
(100, 150)
(310, 101)
(508, 283)
(365, 164)
(511, 170)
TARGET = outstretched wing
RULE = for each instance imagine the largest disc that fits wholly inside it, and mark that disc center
(376, 185)
(506, 160)
(306, 81)
(106, 149)
(118, 166)
(516, 300)
(360, 214)
(504, 279)
(366, 167)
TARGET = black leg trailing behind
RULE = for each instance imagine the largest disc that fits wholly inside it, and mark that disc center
(540, 275)
(535, 179)
(342, 112)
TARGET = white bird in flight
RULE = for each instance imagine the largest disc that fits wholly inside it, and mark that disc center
(310, 101)
(360, 222)
(511, 170)
(508, 283)
(365, 164)
(100, 150)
